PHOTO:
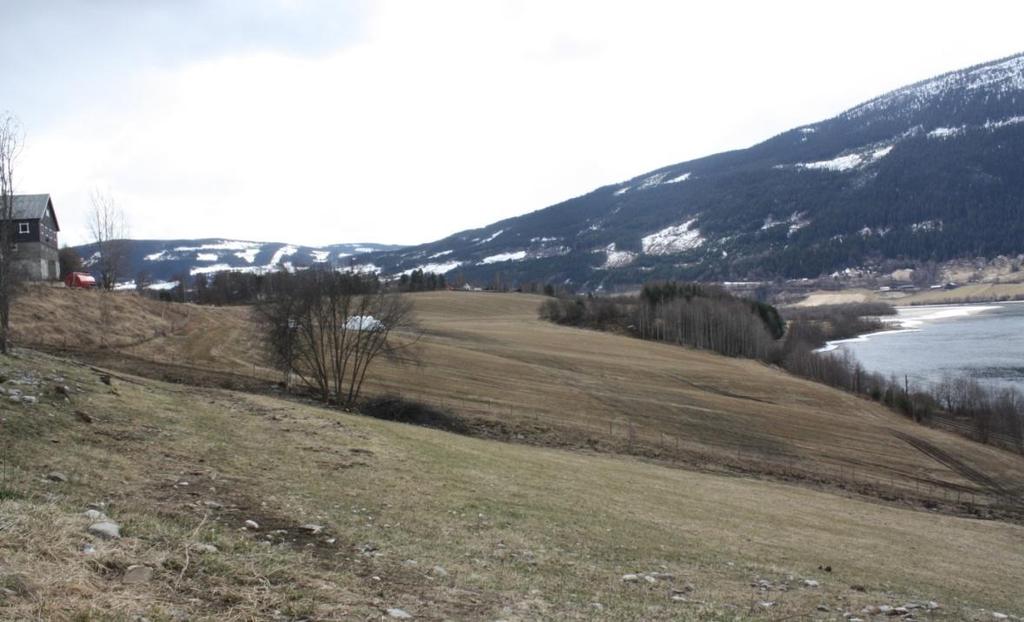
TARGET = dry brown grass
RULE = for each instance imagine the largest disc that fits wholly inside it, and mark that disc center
(523, 533)
(488, 358)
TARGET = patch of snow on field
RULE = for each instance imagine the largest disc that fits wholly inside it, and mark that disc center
(162, 285)
(441, 254)
(364, 322)
(207, 257)
(513, 256)
(436, 268)
(161, 256)
(621, 191)
(320, 256)
(676, 180)
(616, 258)
(674, 239)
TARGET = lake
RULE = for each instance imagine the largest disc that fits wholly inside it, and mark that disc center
(984, 341)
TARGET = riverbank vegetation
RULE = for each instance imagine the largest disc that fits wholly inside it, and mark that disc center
(710, 318)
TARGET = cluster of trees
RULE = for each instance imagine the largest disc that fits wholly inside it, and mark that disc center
(420, 281)
(710, 318)
(326, 329)
(700, 316)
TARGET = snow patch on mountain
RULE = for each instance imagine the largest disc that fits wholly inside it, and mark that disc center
(677, 179)
(674, 239)
(621, 191)
(989, 125)
(161, 256)
(500, 257)
(491, 237)
(1006, 76)
(652, 181)
(320, 256)
(437, 268)
(946, 132)
(207, 256)
(617, 259)
(285, 251)
(441, 254)
(849, 161)
(249, 254)
(926, 225)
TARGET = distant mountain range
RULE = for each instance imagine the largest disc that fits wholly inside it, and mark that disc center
(162, 261)
(932, 171)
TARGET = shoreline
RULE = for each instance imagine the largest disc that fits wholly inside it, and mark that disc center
(915, 324)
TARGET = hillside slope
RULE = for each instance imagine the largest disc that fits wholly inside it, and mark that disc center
(489, 359)
(927, 172)
(355, 518)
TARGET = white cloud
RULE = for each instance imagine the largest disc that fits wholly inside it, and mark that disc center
(479, 110)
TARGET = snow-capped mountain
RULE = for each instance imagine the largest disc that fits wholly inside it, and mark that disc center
(163, 261)
(934, 170)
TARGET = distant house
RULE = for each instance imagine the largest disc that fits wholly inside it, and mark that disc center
(35, 237)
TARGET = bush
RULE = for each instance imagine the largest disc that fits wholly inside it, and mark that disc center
(395, 408)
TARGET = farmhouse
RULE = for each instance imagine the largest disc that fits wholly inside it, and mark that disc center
(35, 237)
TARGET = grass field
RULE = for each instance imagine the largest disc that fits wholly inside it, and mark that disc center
(438, 525)
(488, 358)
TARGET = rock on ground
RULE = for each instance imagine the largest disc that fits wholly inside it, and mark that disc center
(106, 529)
(399, 614)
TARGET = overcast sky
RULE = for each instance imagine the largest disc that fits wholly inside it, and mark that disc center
(325, 121)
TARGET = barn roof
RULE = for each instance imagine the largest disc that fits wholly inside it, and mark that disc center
(32, 207)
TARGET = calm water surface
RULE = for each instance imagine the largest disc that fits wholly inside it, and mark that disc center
(983, 341)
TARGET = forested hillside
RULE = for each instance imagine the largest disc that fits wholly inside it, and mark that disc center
(931, 171)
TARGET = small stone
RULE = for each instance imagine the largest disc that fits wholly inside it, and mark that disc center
(251, 524)
(630, 578)
(29, 399)
(56, 476)
(679, 598)
(439, 571)
(650, 579)
(999, 616)
(885, 609)
(94, 515)
(137, 574)
(15, 398)
(201, 547)
(932, 605)
(399, 614)
(766, 604)
(810, 583)
(88, 549)
(213, 505)
(823, 608)
(84, 416)
(312, 528)
(106, 529)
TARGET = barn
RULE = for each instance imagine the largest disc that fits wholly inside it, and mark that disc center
(35, 228)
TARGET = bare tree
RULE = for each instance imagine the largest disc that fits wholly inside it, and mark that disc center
(10, 146)
(108, 227)
(327, 329)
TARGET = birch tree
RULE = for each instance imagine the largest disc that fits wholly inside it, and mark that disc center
(10, 146)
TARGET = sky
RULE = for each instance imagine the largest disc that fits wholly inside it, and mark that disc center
(326, 121)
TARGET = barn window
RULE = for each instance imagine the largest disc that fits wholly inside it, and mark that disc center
(23, 227)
